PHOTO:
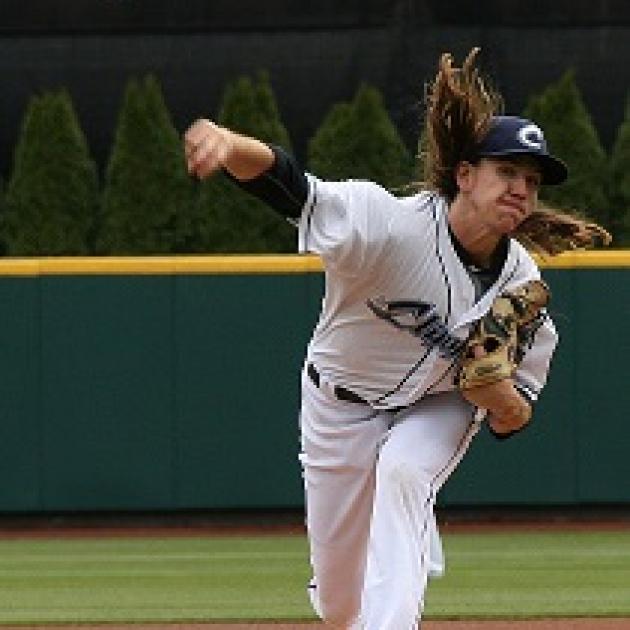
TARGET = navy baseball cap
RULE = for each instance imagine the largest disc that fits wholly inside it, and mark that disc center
(510, 135)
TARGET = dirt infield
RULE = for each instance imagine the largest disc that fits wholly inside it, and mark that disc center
(291, 522)
(525, 624)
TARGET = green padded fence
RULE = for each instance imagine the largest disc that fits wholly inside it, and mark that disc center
(173, 384)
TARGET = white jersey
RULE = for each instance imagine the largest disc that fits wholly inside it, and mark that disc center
(399, 302)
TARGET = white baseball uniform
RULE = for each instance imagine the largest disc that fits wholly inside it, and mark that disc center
(398, 304)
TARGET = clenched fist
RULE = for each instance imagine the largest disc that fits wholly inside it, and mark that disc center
(209, 147)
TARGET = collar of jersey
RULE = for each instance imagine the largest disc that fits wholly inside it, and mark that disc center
(498, 258)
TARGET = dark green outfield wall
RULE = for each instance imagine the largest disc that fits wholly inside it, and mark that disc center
(173, 391)
(577, 449)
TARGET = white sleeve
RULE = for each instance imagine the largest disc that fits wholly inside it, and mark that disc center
(346, 223)
(531, 374)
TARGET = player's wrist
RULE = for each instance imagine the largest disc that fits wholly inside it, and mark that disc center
(246, 158)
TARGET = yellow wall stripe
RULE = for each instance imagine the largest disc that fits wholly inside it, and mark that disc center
(252, 264)
(605, 258)
(159, 265)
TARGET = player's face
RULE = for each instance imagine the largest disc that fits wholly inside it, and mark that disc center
(502, 192)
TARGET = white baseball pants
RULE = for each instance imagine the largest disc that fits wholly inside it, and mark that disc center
(371, 480)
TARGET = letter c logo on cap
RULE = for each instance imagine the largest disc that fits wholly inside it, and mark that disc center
(531, 136)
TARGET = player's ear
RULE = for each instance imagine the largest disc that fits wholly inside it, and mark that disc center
(464, 172)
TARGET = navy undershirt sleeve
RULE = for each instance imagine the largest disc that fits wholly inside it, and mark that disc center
(509, 434)
(283, 186)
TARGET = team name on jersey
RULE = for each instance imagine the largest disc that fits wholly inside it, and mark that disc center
(420, 319)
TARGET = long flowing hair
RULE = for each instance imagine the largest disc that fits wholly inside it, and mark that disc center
(459, 106)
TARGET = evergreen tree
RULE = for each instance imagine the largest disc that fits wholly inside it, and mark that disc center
(52, 194)
(230, 220)
(250, 108)
(359, 141)
(620, 182)
(330, 155)
(148, 196)
(561, 113)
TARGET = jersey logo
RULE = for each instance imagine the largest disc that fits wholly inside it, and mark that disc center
(420, 319)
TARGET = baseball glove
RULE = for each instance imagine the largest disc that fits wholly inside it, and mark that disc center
(500, 333)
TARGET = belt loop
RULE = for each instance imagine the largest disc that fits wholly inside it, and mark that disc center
(313, 374)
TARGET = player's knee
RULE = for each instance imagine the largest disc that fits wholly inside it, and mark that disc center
(402, 474)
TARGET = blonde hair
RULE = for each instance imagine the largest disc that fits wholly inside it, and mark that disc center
(459, 107)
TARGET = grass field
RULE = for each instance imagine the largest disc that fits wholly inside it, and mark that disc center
(205, 578)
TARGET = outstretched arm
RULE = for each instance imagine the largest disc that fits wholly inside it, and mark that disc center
(265, 171)
(209, 148)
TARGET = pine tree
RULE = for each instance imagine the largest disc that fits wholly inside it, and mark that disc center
(148, 196)
(620, 182)
(330, 154)
(359, 141)
(250, 108)
(562, 114)
(230, 220)
(52, 194)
